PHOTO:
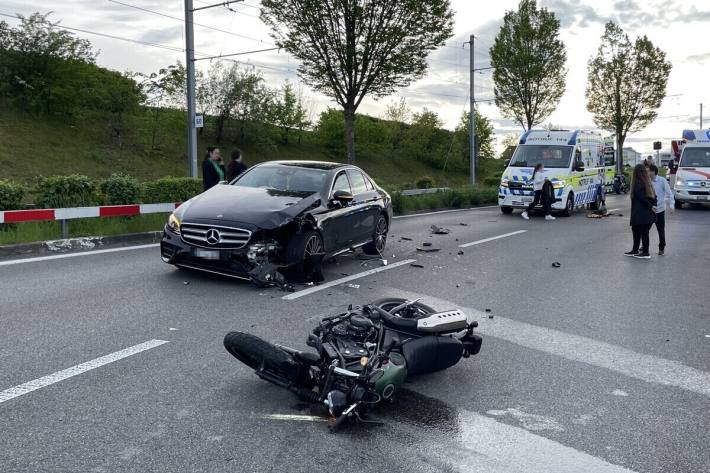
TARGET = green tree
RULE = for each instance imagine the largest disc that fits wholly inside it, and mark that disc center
(397, 115)
(163, 89)
(288, 111)
(626, 85)
(529, 64)
(33, 60)
(350, 49)
(485, 136)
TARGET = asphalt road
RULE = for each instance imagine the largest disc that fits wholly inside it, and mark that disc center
(599, 365)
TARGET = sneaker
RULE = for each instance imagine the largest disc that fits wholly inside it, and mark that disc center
(549, 217)
(660, 253)
(631, 253)
(642, 255)
(525, 215)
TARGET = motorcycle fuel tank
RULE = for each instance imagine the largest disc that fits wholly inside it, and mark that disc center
(395, 372)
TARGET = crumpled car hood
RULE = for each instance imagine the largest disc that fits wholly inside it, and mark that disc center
(264, 208)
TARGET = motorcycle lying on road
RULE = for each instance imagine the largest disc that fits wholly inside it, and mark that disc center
(620, 184)
(362, 356)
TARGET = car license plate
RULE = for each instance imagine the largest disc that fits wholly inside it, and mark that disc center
(206, 254)
(527, 200)
(704, 197)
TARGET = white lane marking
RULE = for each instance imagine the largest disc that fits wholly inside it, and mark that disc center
(311, 290)
(505, 235)
(485, 444)
(612, 210)
(74, 255)
(648, 368)
(48, 380)
(294, 417)
(437, 212)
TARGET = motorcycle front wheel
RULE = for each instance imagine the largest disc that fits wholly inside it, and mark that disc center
(414, 311)
(259, 354)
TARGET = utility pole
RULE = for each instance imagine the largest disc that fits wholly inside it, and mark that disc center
(190, 64)
(472, 116)
(190, 60)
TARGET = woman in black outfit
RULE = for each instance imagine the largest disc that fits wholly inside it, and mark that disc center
(237, 166)
(213, 170)
(643, 211)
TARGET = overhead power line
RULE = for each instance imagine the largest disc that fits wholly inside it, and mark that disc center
(181, 20)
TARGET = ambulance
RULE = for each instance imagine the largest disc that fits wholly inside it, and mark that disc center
(692, 178)
(577, 163)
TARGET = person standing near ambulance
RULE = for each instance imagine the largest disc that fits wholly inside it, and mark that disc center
(663, 192)
(538, 182)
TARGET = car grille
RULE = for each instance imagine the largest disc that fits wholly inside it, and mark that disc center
(699, 192)
(519, 185)
(213, 236)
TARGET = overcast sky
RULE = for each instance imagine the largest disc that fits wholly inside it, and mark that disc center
(679, 27)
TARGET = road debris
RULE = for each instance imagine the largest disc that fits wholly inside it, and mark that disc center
(416, 265)
(439, 230)
(352, 286)
(460, 253)
(556, 264)
(428, 249)
(406, 238)
(490, 313)
(187, 283)
(464, 224)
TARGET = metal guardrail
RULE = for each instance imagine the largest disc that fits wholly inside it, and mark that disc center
(432, 190)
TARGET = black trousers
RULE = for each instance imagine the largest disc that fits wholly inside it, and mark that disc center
(640, 233)
(661, 227)
(540, 198)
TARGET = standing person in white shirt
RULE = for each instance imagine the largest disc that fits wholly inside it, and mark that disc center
(663, 192)
(538, 181)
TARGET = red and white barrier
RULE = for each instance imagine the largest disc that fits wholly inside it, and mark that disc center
(16, 216)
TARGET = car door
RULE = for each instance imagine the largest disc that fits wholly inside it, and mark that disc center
(365, 206)
(337, 225)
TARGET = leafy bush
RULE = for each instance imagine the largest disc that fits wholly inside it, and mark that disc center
(65, 191)
(120, 189)
(453, 198)
(491, 181)
(171, 189)
(11, 195)
(425, 182)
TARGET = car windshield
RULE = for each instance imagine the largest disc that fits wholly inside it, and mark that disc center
(284, 178)
(695, 157)
(549, 155)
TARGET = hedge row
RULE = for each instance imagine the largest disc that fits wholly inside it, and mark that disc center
(82, 191)
(450, 199)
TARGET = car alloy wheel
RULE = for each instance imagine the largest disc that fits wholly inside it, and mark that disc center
(381, 235)
(313, 246)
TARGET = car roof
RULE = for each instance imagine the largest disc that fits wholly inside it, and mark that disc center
(325, 165)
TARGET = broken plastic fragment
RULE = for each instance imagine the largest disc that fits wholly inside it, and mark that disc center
(556, 264)
(440, 230)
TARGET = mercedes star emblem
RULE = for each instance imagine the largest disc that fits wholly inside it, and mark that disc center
(213, 237)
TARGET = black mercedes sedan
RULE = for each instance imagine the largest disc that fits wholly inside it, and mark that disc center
(278, 216)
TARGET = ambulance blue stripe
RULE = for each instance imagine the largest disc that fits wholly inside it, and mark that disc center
(524, 138)
(689, 135)
(573, 138)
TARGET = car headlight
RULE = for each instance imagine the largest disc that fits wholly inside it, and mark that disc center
(174, 223)
(679, 182)
(504, 182)
(559, 184)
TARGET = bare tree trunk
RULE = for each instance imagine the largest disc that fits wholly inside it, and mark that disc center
(350, 133)
(620, 142)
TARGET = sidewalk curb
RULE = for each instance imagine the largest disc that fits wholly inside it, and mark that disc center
(81, 243)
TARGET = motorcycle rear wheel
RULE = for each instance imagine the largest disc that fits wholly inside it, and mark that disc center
(258, 354)
(389, 303)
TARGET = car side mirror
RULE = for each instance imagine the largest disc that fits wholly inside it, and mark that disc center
(344, 197)
(507, 162)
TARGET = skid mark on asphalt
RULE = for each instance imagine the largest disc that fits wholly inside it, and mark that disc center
(75, 370)
(649, 368)
(320, 287)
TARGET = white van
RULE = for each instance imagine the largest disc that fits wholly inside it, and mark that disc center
(692, 180)
(575, 162)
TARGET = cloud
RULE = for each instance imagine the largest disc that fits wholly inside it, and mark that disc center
(701, 58)
(573, 13)
(170, 35)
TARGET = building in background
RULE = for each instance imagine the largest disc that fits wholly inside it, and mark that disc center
(632, 157)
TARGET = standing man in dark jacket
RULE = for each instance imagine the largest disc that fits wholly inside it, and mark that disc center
(643, 211)
(213, 171)
(237, 166)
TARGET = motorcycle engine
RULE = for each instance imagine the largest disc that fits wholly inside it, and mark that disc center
(350, 340)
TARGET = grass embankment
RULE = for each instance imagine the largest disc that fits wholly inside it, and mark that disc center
(32, 146)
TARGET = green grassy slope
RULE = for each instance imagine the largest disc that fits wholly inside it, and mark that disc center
(31, 146)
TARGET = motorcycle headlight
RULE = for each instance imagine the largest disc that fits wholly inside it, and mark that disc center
(559, 184)
(174, 223)
(504, 182)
